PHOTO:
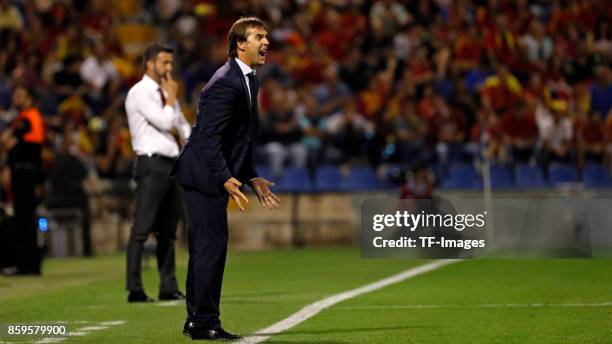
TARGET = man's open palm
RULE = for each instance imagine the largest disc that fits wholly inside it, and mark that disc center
(266, 197)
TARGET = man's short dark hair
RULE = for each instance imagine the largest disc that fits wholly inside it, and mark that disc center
(151, 53)
(237, 33)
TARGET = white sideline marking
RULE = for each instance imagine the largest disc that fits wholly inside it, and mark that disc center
(112, 322)
(314, 308)
(76, 333)
(93, 328)
(170, 303)
(83, 331)
(489, 305)
(51, 340)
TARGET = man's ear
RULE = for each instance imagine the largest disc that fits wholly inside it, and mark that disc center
(241, 46)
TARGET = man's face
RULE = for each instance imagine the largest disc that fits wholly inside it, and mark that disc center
(255, 46)
(20, 98)
(162, 65)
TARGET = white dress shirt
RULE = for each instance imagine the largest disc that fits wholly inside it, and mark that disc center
(246, 70)
(150, 122)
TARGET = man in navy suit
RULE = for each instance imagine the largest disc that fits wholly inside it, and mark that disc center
(214, 165)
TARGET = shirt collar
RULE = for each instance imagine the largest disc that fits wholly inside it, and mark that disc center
(149, 82)
(244, 67)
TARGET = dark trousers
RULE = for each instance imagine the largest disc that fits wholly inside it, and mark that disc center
(157, 209)
(207, 235)
(23, 184)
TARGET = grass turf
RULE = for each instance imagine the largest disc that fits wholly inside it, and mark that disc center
(261, 288)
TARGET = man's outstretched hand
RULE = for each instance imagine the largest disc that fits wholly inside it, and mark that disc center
(232, 186)
(267, 198)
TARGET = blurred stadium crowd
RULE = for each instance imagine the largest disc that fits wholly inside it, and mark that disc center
(346, 82)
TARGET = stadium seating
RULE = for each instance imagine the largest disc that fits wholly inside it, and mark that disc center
(561, 173)
(529, 177)
(328, 178)
(456, 176)
(596, 176)
(461, 176)
(362, 179)
(501, 177)
(295, 179)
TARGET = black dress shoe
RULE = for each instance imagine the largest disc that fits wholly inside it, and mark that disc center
(187, 328)
(139, 296)
(175, 295)
(218, 333)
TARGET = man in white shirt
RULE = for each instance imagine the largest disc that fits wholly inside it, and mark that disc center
(155, 120)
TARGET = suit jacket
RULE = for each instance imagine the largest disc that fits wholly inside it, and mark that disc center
(221, 142)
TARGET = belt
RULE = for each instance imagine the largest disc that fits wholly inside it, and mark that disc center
(158, 156)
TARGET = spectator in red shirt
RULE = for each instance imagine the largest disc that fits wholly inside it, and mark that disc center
(487, 130)
(334, 38)
(500, 41)
(520, 132)
(420, 66)
(419, 183)
(468, 48)
(589, 137)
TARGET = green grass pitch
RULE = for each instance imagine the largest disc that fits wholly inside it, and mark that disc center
(476, 301)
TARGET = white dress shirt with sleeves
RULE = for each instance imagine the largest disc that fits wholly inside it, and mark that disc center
(151, 121)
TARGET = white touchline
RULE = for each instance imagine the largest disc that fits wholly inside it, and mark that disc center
(170, 303)
(93, 328)
(484, 305)
(51, 340)
(83, 331)
(314, 308)
(76, 333)
(112, 322)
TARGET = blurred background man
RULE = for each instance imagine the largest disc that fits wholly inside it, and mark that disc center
(24, 144)
(155, 121)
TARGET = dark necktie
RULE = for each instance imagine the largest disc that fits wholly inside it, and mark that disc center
(253, 88)
(163, 97)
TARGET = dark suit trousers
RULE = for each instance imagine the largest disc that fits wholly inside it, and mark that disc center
(157, 209)
(208, 234)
